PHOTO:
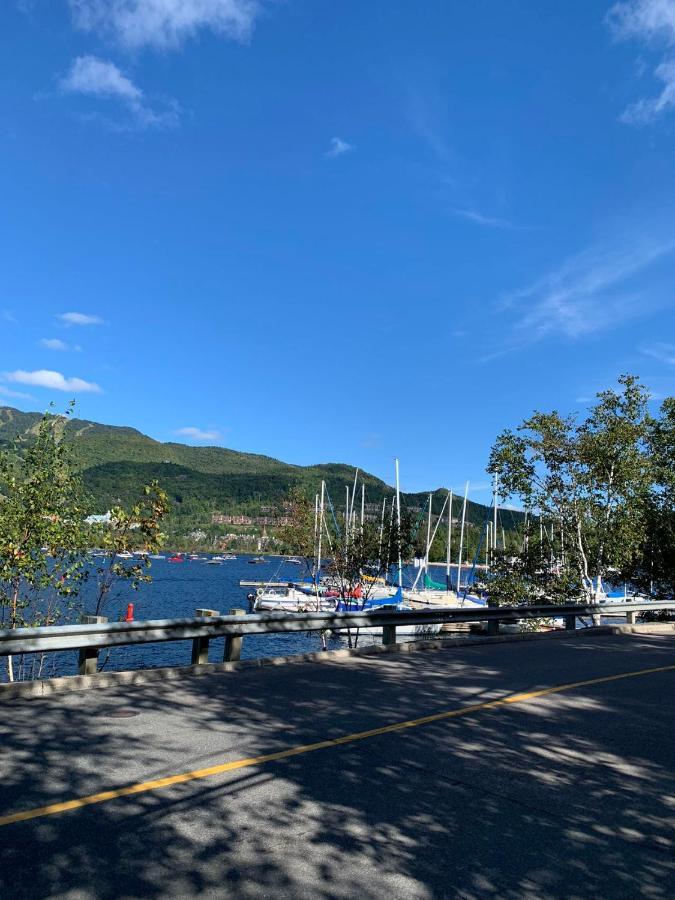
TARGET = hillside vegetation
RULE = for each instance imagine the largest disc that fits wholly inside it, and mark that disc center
(115, 462)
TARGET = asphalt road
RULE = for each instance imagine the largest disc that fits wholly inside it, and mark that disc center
(563, 794)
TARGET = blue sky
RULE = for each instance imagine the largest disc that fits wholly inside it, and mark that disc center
(336, 231)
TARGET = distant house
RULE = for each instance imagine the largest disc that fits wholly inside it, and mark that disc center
(104, 519)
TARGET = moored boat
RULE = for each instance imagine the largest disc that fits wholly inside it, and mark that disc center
(288, 599)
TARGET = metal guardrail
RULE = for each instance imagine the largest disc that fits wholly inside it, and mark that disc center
(89, 637)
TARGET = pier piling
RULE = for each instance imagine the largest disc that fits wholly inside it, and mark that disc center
(200, 645)
(233, 642)
(88, 656)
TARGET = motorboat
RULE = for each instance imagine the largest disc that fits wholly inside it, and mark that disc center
(257, 559)
(177, 558)
(288, 599)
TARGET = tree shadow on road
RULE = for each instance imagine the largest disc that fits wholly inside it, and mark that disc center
(572, 796)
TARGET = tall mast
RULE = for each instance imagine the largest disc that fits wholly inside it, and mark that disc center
(363, 504)
(356, 476)
(316, 519)
(398, 525)
(461, 539)
(426, 555)
(379, 546)
(449, 548)
(318, 557)
(346, 516)
(425, 564)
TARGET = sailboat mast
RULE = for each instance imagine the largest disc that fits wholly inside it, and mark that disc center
(356, 476)
(318, 557)
(316, 519)
(379, 546)
(346, 516)
(461, 539)
(398, 524)
(448, 553)
(426, 555)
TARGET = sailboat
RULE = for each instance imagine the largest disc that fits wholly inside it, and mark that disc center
(410, 631)
(433, 593)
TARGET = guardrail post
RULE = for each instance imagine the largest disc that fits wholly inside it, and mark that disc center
(631, 618)
(493, 627)
(570, 623)
(233, 641)
(88, 656)
(200, 645)
(388, 634)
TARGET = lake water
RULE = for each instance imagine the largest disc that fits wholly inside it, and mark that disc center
(176, 591)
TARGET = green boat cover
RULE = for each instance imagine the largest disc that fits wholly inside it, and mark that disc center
(433, 585)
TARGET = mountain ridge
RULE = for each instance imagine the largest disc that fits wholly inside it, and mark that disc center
(116, 460)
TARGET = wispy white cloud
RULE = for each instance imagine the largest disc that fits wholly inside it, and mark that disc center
(99, 78)
(58, 344)
(425, 108)
(338, 147)
(648, 109)
(664, 352)
(198, 434)
(473, 215)
(55, 381)
(94, 77)
(651, 22)
(589, 293)
(8, 316)
(14, 395)
(164, 23)
(78, 318)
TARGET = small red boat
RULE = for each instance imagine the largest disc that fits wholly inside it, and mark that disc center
(177, 558)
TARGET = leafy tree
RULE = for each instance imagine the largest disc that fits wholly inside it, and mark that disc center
(42, 537)
(359, 554)
(589, 481)
(653, 569)
(298, 537)
(130, 530)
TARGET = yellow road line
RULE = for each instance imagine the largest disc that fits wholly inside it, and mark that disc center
(159, 783)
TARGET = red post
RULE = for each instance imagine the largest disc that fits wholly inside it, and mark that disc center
(130, 613)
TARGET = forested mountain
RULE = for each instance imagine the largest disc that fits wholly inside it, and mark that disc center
(116, 461)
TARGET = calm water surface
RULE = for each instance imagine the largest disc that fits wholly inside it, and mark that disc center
(176, 591)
